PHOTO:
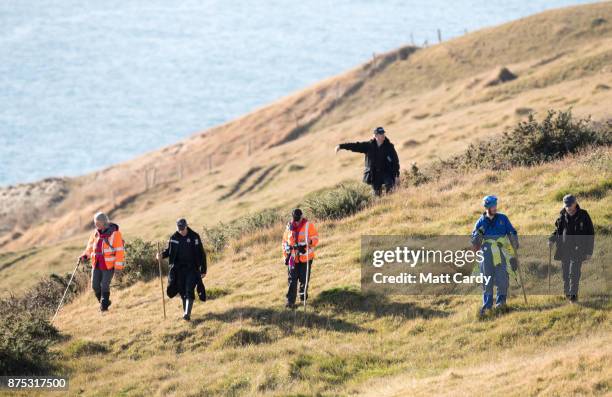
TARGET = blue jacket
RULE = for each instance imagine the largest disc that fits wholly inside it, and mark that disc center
(493, 228)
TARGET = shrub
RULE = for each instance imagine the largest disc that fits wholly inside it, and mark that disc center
(218, 237)
(531, 142)
(24, 341)
(338, 202)
(140, 262)
(25, 332)
(414, 176)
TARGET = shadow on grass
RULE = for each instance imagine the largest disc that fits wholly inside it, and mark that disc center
(285, 320)
(350, 299)
(591, 302)
(596, 302)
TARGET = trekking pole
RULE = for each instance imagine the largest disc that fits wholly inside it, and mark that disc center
(549, 265)
(66, 291)
(520, 276)
(161, 281)
(307, 266)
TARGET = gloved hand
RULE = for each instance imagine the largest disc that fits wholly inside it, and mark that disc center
(302, 249)
(513, 264)
(83, 257)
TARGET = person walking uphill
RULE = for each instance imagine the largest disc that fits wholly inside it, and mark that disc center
(187, 265)
(495, 235)
(381, 161)
(299, 242)
(106, 250)
(574, 237)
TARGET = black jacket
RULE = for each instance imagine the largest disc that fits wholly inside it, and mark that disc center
(195, 244)
(383, 160)
(172, 289)
(574, 236)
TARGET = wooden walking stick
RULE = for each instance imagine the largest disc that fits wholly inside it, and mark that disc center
(161, 281)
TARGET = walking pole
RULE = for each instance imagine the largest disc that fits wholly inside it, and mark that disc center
(161, 281)
(66, 291)
(520, 276)
(307, 265)
(549, 265)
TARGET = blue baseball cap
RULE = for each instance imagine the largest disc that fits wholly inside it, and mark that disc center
(489, 201)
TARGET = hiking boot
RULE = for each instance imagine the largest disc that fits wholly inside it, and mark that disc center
(105, 301)
(186, 317)
(290, 306)
(573, 298)
(483, 311)
(188, 307)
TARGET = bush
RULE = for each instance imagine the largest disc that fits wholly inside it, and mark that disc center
(24, 341)
(140, 262)
(414, 177)
(532, 142)
(338, 202)
(25, 332)
(218, 237)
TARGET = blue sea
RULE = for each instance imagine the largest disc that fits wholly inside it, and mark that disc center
(85, 84)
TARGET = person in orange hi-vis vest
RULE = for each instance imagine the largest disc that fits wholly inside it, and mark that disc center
(299, 242)
(105, 249)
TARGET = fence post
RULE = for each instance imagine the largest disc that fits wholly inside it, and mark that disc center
(439, 36)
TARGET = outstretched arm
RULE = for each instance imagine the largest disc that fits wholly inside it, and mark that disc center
(358, 147)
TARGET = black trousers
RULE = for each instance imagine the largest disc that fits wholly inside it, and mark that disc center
(571, 275)
(296, 274)
(186, 278)
(382, 180)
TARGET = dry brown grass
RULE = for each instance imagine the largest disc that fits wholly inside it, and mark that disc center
(245, 343)
(560, 58)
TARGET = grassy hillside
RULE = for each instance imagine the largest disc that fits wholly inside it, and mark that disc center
(433, 102)
(245, 343)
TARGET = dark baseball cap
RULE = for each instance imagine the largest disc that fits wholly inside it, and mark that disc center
(379, 130)
(181, 223)
(568, 200)
(296, 214)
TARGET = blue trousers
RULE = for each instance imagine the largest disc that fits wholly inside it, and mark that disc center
(499, 279)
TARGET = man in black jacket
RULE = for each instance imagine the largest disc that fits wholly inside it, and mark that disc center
(187, 264)
(574, 237)
(381, 162)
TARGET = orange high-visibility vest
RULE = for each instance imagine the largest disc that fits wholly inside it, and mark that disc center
(112, 248)
(307, 230)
